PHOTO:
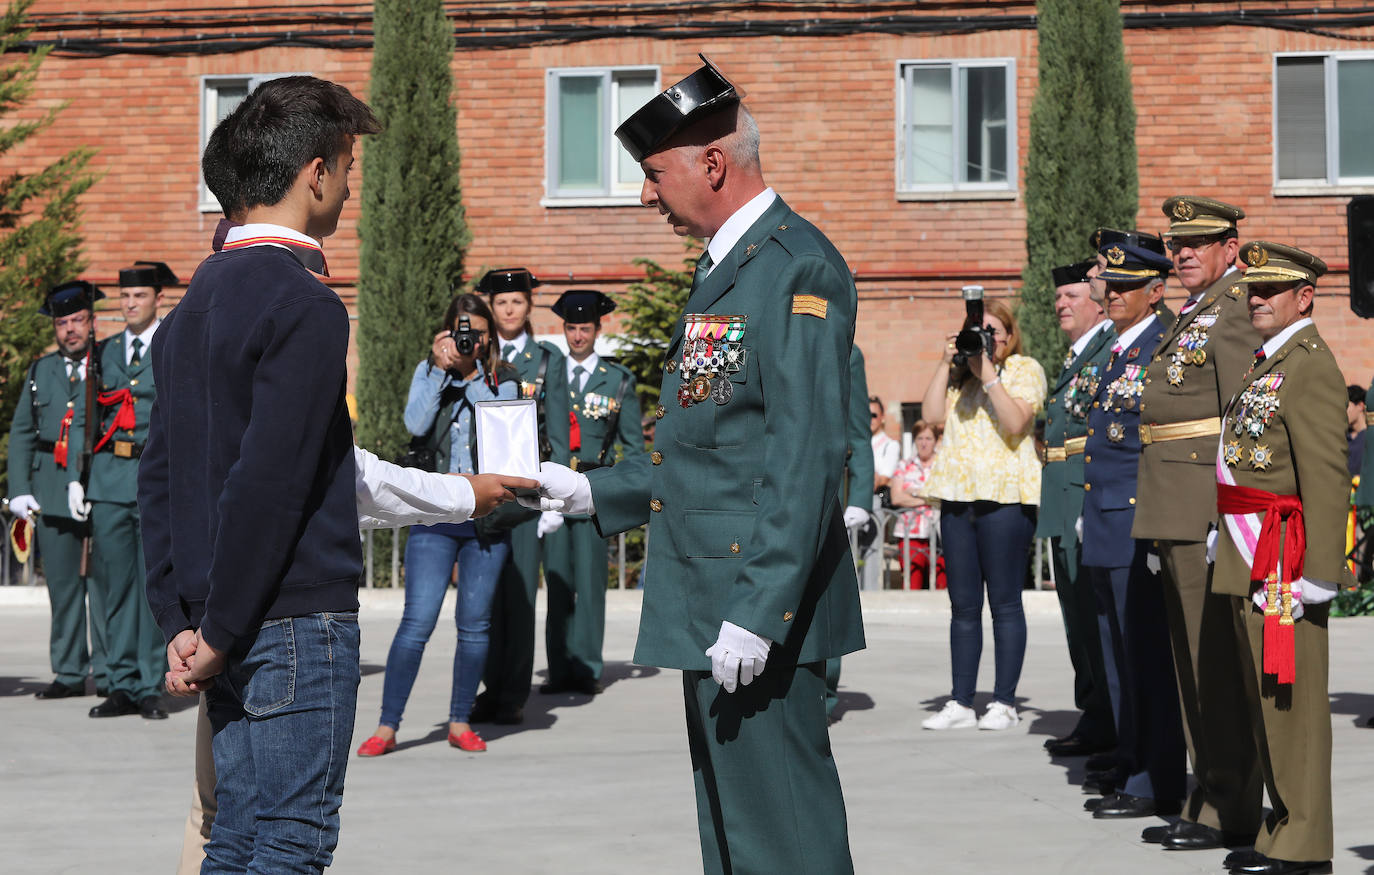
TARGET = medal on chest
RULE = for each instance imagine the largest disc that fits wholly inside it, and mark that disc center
(528, 389)
(1256, 406)
(596, 406)
(1125, 389)
(712, 349)
(1078, 398)
(1190, 348)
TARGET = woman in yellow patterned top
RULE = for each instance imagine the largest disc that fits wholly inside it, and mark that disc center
(987, 480)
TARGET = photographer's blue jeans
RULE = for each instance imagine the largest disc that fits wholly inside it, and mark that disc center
(986, 543)
(430, 554)
(283, 725)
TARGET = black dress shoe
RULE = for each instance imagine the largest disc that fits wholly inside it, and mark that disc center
(1247, 857)
(1094, 803)
(117, 705)
(1123, 805)
(512, 717)
(482, 711)
(102, 692)
(587, 686)
(58, 690)
(1263, 865)
(1074, 746)
(1105, 783)
(1188, 836)
(1154, 834)
(150, 707)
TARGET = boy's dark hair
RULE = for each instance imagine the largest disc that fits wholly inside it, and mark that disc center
(253, 156)
(1354, 393)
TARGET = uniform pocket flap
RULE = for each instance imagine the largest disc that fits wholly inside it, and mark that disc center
(715, 534)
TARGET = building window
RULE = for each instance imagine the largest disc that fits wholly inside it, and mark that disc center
(584, 105)
(956, 126)
(1323, 120)
(219, 95)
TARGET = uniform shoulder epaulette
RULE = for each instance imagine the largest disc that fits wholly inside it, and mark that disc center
(797, 236)
(1234, 291)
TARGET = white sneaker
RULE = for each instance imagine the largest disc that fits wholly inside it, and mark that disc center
(952, 716)
(998, 716)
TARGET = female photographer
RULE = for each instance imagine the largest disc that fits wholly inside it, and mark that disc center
(462, 369)
(987, 480)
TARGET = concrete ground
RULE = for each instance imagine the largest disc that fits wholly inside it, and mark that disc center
(604, 785)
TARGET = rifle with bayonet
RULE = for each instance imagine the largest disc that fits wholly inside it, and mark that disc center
(89, 437)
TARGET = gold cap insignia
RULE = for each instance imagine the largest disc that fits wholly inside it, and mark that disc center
(1257, 256)
(1183, 211)
(1116, 256)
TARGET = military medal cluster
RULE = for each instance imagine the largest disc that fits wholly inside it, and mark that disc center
(1190, 348)
(711, 352)
(598, 406)
(1255, 409)
(1082, 389)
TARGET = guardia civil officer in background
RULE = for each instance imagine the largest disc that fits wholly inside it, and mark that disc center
(540, 366)
(45, 447)
(749, 583)
(1194, 371)
(1090, 334)
(605, 413)
(136, 658)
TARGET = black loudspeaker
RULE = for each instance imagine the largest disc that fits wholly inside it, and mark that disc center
(1359, 217)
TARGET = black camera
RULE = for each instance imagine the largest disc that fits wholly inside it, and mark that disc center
(466, 338)
(975, 340)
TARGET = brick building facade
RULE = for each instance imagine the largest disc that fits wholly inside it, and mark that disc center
(848, 97)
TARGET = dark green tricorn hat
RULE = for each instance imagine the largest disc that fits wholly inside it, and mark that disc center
(69, 298)
(506, 279)
(1191, 216)
(1275, 263)
(703, 92)
(147, 273)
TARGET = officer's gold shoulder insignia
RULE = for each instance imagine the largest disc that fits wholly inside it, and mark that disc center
(749, 250)
(1256, 256)
(1234, 291)
(809, 305)
(529, 355)
(782, 227)
(1183, 211)
(1116, 256)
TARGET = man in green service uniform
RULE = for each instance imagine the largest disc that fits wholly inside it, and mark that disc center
(1196, 369)
(749, 583)
(136, 657)
(510, 656)
(45, 446)
(605, 412)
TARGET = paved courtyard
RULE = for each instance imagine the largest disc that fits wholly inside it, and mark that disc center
(604, 785)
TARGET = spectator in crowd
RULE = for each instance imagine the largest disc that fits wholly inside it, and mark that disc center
(886, 451)
(908, 487)
(464, 367)
(1355, 424)
(987, 480)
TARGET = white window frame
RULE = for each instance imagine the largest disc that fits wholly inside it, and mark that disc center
(956, 190)
(209, 86)
(623, 195)
(1333, 184)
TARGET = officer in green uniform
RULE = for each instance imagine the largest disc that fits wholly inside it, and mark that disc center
(1364, 493)
(605, 413)
(749, 583)
(510, 656)
(1090, 335)
(45, 446)
(136, 657)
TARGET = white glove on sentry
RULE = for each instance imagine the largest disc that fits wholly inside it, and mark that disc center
(854, 517)
(563, 484)
(1078, 528)
(549, 522)
(25, 506)
(77, 505)
(1211, 546)
(738, 656)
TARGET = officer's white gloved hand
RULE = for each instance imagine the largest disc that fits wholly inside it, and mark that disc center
(549, 521)
(25, 506)
(854, 517)
(539, 503)
(564, 484)
(77, 505)
(738, 656)
(1152, 562)
(1078, 528)
(1211, 546)
(1309, 593)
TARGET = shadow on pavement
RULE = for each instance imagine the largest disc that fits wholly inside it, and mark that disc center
(1358, 705)
(851, 701)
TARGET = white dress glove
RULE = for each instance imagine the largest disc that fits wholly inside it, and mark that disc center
(1211, 546)
(563, 484)
(1078, 528)
(738, 656)
(24, 506)
(854, 517)
(77, 505)
(549, 521)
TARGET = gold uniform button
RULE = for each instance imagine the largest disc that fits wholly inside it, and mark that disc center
(133, 382)
(656, 457)
(1054, 400)
(1192, 455)
(69, 404)
(1087, 487)
(1087, 460)
(1096, 404)
(787, 616)
(658, 413)
(1090, 432)
(734, 548)
(655, 505)
(1132, 499)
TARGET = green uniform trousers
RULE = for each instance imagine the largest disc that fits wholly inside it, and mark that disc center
(832, 684)
(768, 794)
(59, 545)
(135, 656)
(1293, 732)
(1216, 720)
(510, 650)
(1078, 606)
(576, 565)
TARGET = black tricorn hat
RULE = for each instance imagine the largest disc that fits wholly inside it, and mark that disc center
(506, 279)
(69, 298)
(582, 305)
(147, 273)
(1072, 273)
(705, 91)
(1107, 236)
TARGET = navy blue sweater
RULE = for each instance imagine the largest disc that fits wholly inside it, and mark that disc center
(246, 485)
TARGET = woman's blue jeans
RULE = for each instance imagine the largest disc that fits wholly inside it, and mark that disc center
(986, 542)
(431, 552)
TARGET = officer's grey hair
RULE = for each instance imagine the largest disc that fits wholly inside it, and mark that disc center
(743, 143)
(734, 131)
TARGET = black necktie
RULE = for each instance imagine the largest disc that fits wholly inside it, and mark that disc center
(703, 268)
(136, 358)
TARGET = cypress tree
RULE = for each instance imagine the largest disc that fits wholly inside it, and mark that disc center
(39, 242)
(1081, 166)
(413, 228)
(650, 310)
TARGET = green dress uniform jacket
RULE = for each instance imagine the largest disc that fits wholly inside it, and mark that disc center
(1364, 494)
(1301, 450)
(859, 465)
(114, 470)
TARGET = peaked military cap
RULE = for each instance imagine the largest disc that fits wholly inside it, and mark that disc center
(702, 93)
(1133, 264)
(1189, 215)
(147, 273)
(1277, 263)
(69, 298)
(1107, 236)
(1072, 273)
(577, 306)
(507, 279)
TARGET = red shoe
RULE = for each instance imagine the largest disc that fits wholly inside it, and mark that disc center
(376, 746)
(468, 741)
